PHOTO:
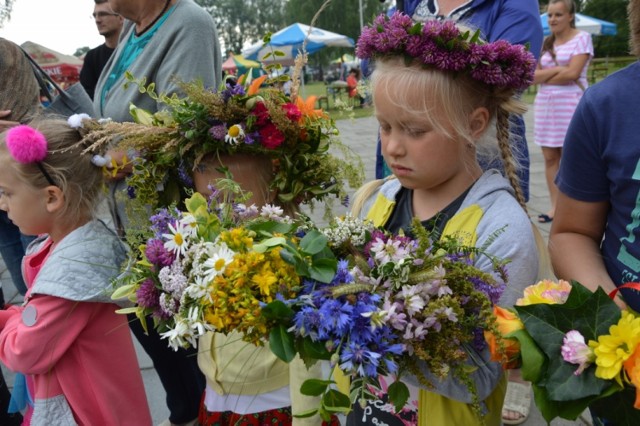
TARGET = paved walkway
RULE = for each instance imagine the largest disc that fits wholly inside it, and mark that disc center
(361, 135)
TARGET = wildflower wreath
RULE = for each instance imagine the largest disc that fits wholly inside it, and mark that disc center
(577, 348)
(165, 148)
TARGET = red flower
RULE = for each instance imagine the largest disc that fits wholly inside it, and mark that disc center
(293, 112)
(270, 136)
(262, 114)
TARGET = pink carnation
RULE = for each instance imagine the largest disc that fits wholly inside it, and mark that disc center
(26, 144)
(575, 351)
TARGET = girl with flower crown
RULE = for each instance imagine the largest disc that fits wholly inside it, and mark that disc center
(437, 91)
(76, 352)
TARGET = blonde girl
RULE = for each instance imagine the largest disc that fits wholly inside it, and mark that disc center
(76, 352)
(438, 94)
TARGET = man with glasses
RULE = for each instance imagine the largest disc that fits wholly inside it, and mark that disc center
(109, 26)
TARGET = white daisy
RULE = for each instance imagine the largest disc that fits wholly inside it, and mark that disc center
(190, 224)
(217, 263)
(176, 240)
(235, 135)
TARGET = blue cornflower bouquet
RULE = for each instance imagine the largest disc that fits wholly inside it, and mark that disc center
(395, 305)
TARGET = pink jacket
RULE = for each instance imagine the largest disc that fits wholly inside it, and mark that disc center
(80, 353)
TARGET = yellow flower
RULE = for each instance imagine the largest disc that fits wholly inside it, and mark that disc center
(545, 291)
(613, 349)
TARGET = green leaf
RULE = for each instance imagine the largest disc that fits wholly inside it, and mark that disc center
(281, 343)
(533, 359)
(398, 394)
(125, 311)
(278, 311)
(195, 202)
(305, 414)
(323, 270)
(311, 351)
(263, 246)
(336, 402)
(315, 387)
(270, 227)
(124, 291)
(314, 242)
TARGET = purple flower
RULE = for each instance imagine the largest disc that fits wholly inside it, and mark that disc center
(492, 291)
(441, 45)
(157, 254)
(131, 192)
(147, 294)
(160, 222)
(184, 176)
(218, 132)
(232, 90)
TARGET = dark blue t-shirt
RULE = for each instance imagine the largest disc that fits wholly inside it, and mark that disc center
(601, 162)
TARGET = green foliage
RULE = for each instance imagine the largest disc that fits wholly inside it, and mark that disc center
(613, 11)
(245, 21)
(558, 391)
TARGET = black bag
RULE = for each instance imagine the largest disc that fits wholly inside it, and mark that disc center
(73, 100)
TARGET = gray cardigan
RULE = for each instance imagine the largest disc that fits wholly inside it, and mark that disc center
(186, 46)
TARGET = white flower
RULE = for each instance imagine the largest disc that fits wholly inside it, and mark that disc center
(75, 121)
(177, 240)
(235, 135)
(178, 335)
(269, 211)
(189, 224)
(100, 161)
(217, 263)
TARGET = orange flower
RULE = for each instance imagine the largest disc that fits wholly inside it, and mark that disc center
(255, 85)
(632, 368)
(507, 323)
(307, 107)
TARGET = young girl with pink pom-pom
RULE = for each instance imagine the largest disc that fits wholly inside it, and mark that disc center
(66, 338)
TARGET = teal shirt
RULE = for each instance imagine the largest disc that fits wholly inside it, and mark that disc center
(132, 49)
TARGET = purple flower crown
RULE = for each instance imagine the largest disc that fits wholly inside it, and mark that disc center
(441, 45)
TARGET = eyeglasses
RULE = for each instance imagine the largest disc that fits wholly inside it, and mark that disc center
(103, 15)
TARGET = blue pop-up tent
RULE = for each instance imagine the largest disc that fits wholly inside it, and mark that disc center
(289, 42)
(586, 23)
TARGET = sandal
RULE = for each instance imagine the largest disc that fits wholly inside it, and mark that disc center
(518, 400)
(544, 218)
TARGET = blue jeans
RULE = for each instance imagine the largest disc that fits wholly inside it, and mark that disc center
(12, 247)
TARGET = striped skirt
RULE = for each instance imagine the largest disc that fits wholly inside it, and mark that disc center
(553, 110)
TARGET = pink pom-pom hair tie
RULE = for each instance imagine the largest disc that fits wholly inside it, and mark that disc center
(27, 145)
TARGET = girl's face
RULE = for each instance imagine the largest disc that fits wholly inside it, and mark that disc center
(559, 17)
(419, 156)
(25, 206)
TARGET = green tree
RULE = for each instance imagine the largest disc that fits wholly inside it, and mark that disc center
(245, 21)
(340, 16)
(5, 11)
(613, 11)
